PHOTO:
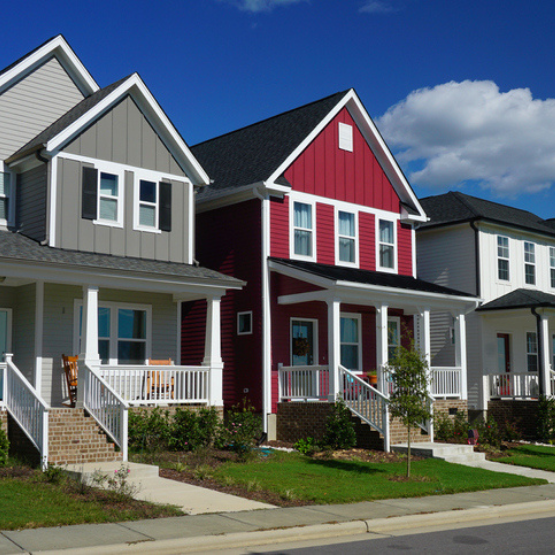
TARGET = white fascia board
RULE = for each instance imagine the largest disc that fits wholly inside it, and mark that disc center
(152, 111)
(71, 63)
(320, 295)
(301, 275)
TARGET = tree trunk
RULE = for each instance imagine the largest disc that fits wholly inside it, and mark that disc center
(408, 451)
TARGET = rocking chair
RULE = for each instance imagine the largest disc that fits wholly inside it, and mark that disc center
(70, 368)
(158, 388)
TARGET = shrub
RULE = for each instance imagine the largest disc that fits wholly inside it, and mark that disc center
(545, 428)
(443, 427)
(306, 446)
(242, 426)
(489, 432)
(190, 430)
(340, 431)
(511, 430)
(149, 430)
(4, 448)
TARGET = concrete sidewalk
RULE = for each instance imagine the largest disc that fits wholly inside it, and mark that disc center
(244, 528)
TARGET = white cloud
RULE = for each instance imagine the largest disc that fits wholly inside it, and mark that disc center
(377, 6)
(260, 5)
(470, 131)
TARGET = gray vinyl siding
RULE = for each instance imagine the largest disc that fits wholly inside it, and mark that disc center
(33, 103)
(74, 232)
(31, 203)
(124, 135)
(475, 374)
(23, 332)
(442, 348)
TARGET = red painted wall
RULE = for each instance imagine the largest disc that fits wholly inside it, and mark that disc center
(325, 170)
(279, 225)
(367, 241)
(404, 249)
(325, 233)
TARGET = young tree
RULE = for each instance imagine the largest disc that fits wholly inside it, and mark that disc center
(409, 399)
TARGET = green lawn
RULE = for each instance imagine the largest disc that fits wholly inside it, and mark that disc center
(533, 456)
(295, 476)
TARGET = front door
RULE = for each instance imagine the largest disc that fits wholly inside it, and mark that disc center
(303, 352)
(503, 353)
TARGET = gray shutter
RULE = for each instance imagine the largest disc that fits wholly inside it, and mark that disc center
(89, 201)
(165, 210)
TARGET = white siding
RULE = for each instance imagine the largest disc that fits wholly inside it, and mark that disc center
(33, 103)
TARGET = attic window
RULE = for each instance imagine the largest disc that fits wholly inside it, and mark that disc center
(346, 137)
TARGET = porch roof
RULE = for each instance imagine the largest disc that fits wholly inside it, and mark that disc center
(520, 298)
(16, 248)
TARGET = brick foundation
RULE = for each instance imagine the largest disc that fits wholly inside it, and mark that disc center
(173, 408)
(442, 406)
(523, 413)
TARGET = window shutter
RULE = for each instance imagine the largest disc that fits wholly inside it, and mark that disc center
(165, 210)
(90, 194)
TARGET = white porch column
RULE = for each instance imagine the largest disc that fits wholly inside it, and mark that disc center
(425, 341)
(89, 331)
(213, 351)
(460, 352)
(334, 345)
(545, 352)
(39, 327)
(381, 344)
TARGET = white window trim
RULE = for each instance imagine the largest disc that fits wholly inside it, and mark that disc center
(397, 321)
(9, 312)
(292, 227)
(379, 267)
(114, 337)
(339, 262)
(355, 316)
(526, 352)
(10, 196)
(530, 264)
(239, 314)
(551, 266)
(113, 169)
(498, 258)
(345, 136)
(144, 175)
(314, 331)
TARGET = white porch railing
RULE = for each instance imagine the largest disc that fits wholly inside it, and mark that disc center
(522, 385)
(26, 407)
(366, 402)
(2, 384)
(158, 384)
(552, 382)
(446, 381)
(304, 382)
(105, 406)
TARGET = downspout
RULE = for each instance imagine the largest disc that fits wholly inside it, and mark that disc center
(541, 367)
(477, 257)
(46, 239)
(266, 324)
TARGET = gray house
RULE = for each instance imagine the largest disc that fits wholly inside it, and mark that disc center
(96, 256)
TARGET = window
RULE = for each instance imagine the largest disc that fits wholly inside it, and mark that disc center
(530, 263)
(350, 342)
(393, 337)
(152, 205)
(303, 230)
(5, 190)
(123, 336)
(304, 337)
(102, 195)
(552, 266)
(346, 137)
(386, 248)
(346, 238)
(503, 258)
(148, 203)
(244, 323)
(108, 197)
(532, 351)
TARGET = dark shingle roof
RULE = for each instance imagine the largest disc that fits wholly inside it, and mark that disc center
(67, 119)
(367, 277)
(15, 247)
(521, 298)
(455, 207)
(253, 153)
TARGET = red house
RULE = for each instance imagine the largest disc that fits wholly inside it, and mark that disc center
(312, 210)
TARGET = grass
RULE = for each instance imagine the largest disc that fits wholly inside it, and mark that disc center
(533, 456)
(29, 500)
(317, 481)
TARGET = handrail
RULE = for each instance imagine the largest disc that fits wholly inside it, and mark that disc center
(27, 408)
(366, 402)
(446, 381)
(515, 385)
(104, 404)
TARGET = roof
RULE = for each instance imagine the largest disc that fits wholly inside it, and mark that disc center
(456, 207)
(15, 247)
(368, 277)
(521, 298)
(251, 154)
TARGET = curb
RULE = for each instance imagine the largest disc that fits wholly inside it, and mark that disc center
(378, 527)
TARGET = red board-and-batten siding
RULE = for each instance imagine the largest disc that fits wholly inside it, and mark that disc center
(325, 170)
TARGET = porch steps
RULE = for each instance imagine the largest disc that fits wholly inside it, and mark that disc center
(75, 438)
(453, 453)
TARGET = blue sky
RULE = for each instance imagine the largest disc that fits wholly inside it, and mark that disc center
(462, 90)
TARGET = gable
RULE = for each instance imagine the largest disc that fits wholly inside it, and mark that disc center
(33, 103)
(124, 135)
(325, 170)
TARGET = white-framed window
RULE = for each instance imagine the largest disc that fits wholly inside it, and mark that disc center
(387, 245)
(303, 236)
(347, 238)
(5, 333)
(503, 258)
(552, 266)
(103, 194)
(5, 197)
(345, 137)
(152, 202)
(244, 323)
(147, 196)
(304, 342)
(124, 332)
(529, 263)
(532, 351)
(350, 339)
(393, 336)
